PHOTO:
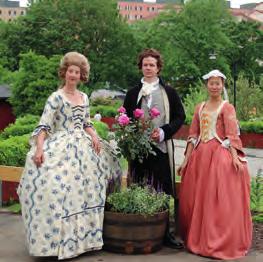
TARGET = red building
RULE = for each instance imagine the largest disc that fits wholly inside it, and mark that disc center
(249, 12)
(6, 113)
(6, 117)
(134, 10)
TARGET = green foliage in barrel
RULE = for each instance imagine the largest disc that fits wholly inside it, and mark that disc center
(138, 200)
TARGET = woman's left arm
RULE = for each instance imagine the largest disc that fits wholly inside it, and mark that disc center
(95, 140)
(231, 133)
(87, 125)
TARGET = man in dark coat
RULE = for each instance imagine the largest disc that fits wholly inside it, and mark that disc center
(152, 92)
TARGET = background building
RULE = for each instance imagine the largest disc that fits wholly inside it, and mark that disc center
(10, 10)
(249, 12)
(134, 10)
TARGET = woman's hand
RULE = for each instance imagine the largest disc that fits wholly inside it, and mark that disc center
(38, 157)
(182, 167)
(237, 164)
(96, 144)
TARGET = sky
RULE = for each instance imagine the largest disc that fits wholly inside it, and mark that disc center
(234, 3)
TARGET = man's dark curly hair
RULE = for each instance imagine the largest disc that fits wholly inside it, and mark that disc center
(150, 52)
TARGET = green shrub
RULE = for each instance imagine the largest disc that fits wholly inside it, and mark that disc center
(137, 200)
(102, 129)
(256, 195)
(35, 80)
(23, 125)
(13, 150)
(258, 218)
(195, 96)
(105, 111)
(108, 101)
(27, 120)
(252, 126)
(249, 99)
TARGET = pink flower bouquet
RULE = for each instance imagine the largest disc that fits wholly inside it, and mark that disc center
(133, 135)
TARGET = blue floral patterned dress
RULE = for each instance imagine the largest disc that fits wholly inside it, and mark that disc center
(63, 200)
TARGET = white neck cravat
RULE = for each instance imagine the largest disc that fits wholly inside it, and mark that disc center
(146, 91)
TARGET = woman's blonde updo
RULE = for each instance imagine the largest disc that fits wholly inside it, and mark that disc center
(77, 59)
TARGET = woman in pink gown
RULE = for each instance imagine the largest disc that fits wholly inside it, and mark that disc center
(215, 219)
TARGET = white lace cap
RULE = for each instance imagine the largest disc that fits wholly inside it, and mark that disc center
(214, 73)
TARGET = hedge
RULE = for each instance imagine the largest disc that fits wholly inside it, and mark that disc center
(105, 111)
(23, 125)
(252, 126)
(102, 129)
(13, 150)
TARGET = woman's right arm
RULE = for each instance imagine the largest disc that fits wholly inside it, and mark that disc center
(45, 128)
(194, 132)
(38, 157)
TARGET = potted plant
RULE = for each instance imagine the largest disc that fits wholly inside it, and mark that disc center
(135, 220)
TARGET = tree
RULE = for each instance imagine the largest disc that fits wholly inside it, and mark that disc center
(187, 38)
(92, 27)
(33, 83)
(246, 50)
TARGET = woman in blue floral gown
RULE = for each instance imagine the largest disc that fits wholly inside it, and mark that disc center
(63, 187)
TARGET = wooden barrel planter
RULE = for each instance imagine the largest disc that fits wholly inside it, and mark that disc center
(133, 233)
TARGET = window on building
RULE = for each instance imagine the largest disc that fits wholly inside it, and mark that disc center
(22, 12)
(140, 8)
(141, 16)
(9, 12)
(0, 11)
(135, 8)
(14, 12)
(153, 8)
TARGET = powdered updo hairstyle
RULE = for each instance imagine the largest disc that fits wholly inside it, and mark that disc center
(77, 59)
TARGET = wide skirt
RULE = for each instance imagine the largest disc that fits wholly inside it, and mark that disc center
(63, 200)
(215, 219)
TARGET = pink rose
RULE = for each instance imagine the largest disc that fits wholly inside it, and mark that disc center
(154, 112)
(123, 120)
(138, 113)
(122, 110)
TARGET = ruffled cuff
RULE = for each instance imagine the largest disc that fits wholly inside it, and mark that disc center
(161, 139)
(226, 143)
(36, 132)
(236, 143)
(192, 140)
(39, 128)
